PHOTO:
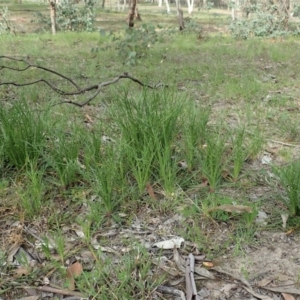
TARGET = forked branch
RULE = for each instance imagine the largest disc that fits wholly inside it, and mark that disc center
(77, 91)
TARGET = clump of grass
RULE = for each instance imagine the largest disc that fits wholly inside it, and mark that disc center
(289, 127)
(130, 278)
(92, 148)
(148, 125)
(239, 153)
(140, 165)
(289, 178)
(255, 143)
(23, 134)
(32, 191)
(107, 181)
(195, 130)
(212, 159)
(62, 156)
(167, 168)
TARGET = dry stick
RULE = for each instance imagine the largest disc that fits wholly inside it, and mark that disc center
(34, 66)
(99, 86)
(61, 92)
(284, 144)
(278, 142)
(103, 84)
(55, 290)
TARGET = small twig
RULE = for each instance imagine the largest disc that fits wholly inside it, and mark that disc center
(61, 92)
(278, 142)
(284, 144)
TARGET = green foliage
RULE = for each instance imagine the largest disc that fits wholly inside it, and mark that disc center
(135, 43)
(191, 27)
(296, 10)
(212, 160)
(150, 133)
(70, 17)
(239, 154)
(31, 192)
(256, 143)
(62, 156)
(195, 130)
(129, 278)
(132, 44)
(148, 126)
(289, 126)
(289, 178)
(22, 133)
(266, 21)
(106, 180)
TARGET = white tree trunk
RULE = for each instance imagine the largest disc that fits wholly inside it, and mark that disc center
(168, 6)
(124, 5)
(159, 3)
(190, 4)
(233, 13)
(177, 6)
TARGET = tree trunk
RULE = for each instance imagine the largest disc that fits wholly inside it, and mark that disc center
(190, 4)
(159, 3)
(137, 14)
(180, 19)
(103, 4)
(177, 7)
(124, 4)
(180, 16)
(53, 15)
(168, 6)
(286, 8)
(232, 13)
(132, 6)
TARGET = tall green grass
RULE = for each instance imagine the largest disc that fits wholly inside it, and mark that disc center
(23, 134)
(148, 126)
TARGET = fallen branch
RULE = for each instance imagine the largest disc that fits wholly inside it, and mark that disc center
(29, 65)
(53, 290)
(78, 90)
(284, 144)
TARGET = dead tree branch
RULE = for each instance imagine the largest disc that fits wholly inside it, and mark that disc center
(29, 65)
(78, 91)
